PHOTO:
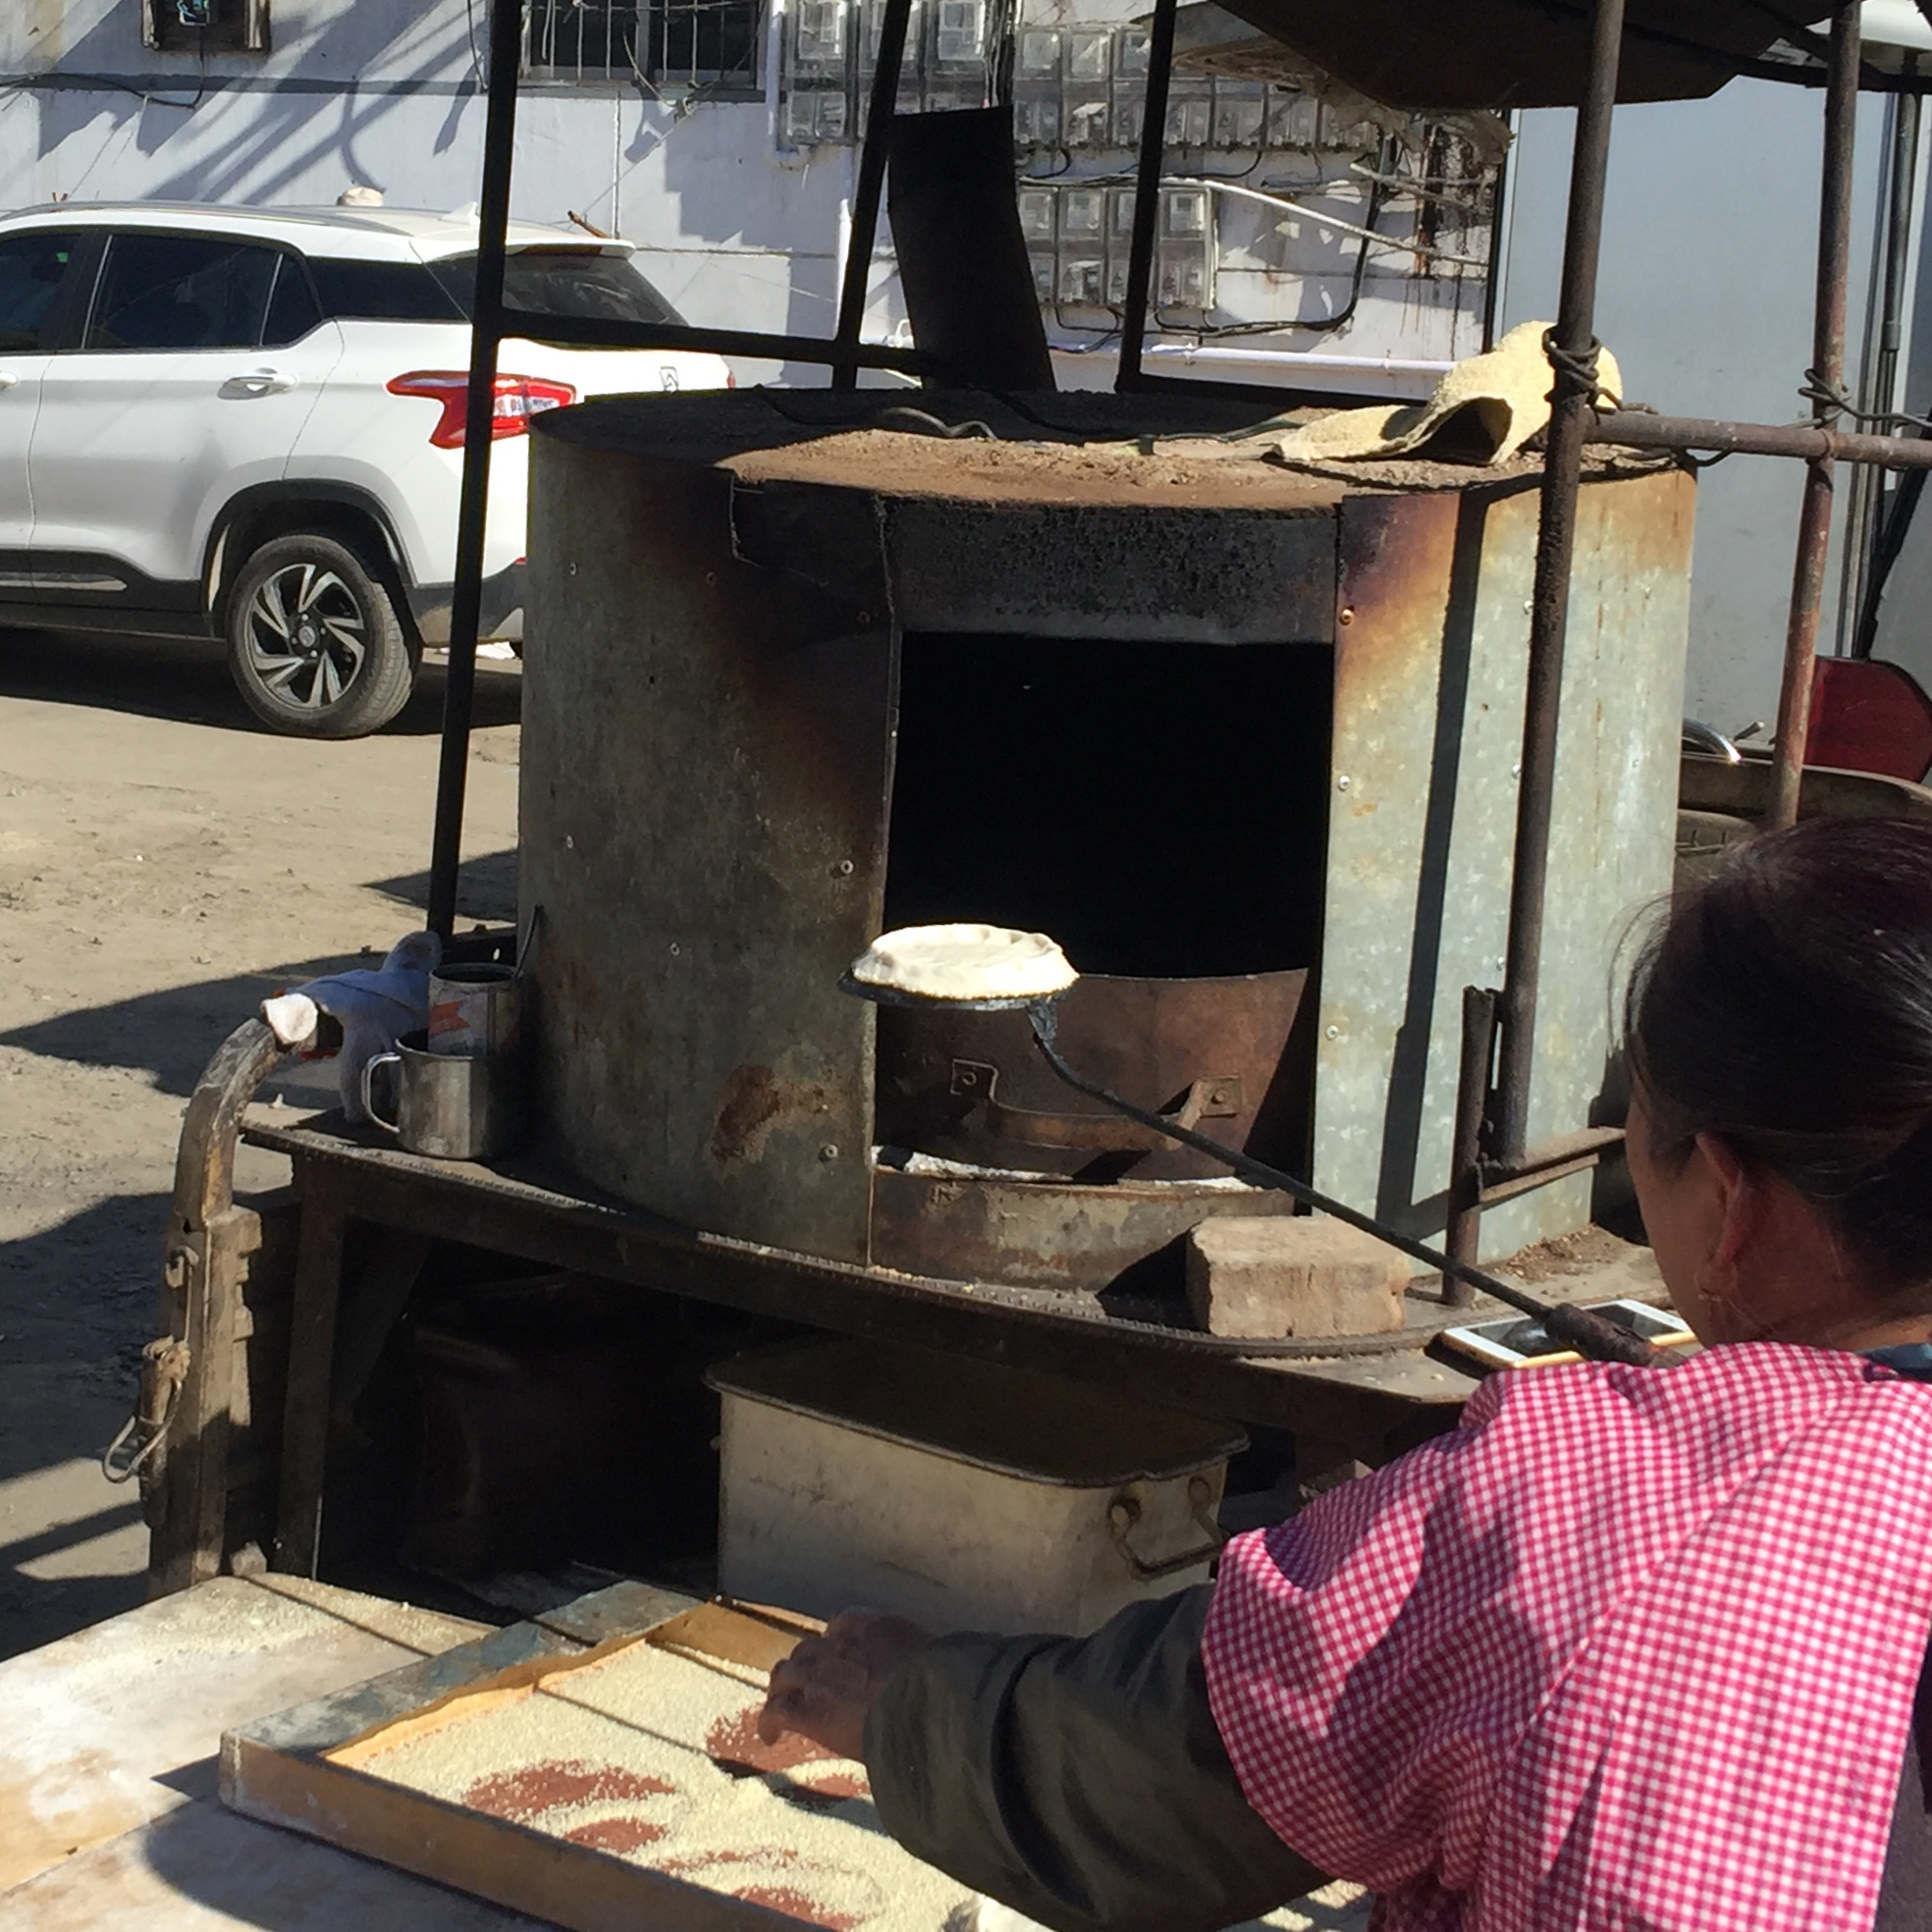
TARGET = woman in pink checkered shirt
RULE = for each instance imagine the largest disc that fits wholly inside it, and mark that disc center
(1629, 1648)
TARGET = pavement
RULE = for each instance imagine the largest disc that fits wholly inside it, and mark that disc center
(164, 864)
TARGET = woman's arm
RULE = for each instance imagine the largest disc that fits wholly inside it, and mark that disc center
(1080, 1781)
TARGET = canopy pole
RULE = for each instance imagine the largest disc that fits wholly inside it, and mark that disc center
(1146, 196)
(1572, 348)
(1824, 384)
(485, 338)
(883, 103)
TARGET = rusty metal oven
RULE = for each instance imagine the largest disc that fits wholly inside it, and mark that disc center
(1239, 737)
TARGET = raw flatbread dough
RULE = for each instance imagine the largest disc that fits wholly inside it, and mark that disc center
(965, 962)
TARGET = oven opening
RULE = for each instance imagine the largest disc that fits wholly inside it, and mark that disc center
(1160, 809)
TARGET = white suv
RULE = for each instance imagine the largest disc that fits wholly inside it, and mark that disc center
(248, 424)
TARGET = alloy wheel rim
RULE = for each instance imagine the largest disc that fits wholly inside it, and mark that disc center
(306, 636)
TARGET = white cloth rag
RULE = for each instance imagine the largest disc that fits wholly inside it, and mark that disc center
(374, 1005)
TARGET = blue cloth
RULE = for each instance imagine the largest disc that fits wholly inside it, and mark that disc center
(1912, 1359)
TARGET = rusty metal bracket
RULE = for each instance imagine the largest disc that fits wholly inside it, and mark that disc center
(1214, 1096)
(1124, 1514)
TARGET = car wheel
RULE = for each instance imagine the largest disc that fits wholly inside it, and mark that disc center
(315, 642)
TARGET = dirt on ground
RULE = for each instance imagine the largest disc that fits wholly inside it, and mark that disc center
(164, 864)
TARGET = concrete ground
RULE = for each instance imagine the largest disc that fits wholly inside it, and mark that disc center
(164, 863)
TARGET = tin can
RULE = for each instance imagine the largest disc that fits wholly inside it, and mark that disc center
(474, 1009)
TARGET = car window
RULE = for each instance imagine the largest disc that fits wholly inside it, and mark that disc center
(293, 310)
(30, 269)
(381, 292)
(587, 284)
(182, 292)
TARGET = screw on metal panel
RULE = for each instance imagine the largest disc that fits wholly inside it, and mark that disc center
(829, 1151)
(1335, 1033)
(1342, 783)
(711, 576)
(673, 948)
(843, 868)
(570, 843)
(574, 569)
(1348, 617)
(865, 617)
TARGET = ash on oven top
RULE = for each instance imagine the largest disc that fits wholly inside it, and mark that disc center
(1078, 449)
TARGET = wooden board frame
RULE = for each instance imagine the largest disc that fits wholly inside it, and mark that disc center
(301, 1769)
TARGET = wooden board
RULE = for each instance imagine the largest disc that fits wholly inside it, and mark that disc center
(310, 1768)
(109, 1820)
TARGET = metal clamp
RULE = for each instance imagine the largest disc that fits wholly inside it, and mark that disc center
(164, 1371)
(1124, 1512)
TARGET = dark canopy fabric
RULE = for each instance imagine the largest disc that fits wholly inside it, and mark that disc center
(1425, 54)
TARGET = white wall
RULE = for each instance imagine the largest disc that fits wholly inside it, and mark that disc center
(1709, 257)
(387, 92)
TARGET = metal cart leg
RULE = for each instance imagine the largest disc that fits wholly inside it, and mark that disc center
(311, 1360)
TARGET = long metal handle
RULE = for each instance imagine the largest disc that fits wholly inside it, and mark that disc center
(1588, 1333)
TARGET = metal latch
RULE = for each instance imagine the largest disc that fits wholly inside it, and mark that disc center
(164, 1370)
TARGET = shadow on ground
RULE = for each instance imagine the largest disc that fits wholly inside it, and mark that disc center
(171, 1033)
(486, 888)
(76, 1303)
(155, 677)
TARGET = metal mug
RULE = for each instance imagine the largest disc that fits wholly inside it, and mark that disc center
(475, 1009)
(452, 1106)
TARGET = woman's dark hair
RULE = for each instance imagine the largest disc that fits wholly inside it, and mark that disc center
(1787, 1009)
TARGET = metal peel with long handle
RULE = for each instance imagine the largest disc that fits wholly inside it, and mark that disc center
(1587, 1332)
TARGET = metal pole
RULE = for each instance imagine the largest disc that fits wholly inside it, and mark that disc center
(866, 192)
(1827, 384)
(1632, 429)
(1462, 1240)
(1858, 625)
(485, 338)
(1573, 350)
(1147, 196)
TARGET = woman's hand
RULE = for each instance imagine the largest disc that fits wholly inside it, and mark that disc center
(825, 1688)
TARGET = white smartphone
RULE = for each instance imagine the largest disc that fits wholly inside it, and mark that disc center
(1521, 1341)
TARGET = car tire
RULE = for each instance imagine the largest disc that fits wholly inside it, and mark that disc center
(316, 642)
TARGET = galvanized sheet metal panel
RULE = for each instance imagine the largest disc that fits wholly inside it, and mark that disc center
(1432, 648)
(701, 893)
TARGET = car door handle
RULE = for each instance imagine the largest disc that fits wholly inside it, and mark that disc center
(258, 382)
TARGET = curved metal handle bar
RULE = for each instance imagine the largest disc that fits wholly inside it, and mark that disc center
(1591, 1334)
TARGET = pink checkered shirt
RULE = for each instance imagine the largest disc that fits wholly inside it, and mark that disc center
(1630, 1648)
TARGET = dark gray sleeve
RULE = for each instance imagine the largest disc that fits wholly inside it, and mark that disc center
(1078, 1779)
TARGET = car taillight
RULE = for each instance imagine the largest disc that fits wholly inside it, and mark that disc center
(518, 400)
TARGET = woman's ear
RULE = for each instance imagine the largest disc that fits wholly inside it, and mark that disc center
(1735, 1206)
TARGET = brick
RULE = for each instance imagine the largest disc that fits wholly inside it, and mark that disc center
(1292, 1275)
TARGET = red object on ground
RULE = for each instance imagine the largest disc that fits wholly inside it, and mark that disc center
(1869, 716)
